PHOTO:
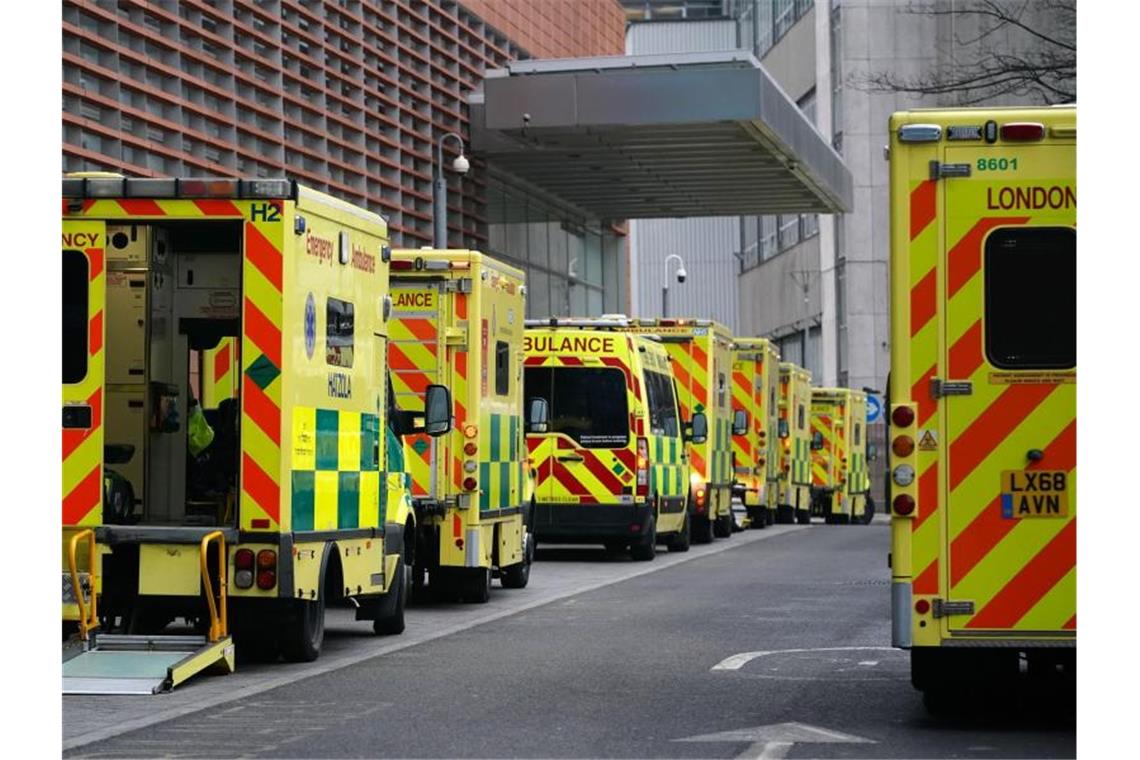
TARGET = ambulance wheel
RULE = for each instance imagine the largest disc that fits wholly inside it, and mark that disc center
(785, 514)
(304, 630)
(702, 530)
(391, 619)
(645, 549)
(681, 541)
(758, 518)
(443, 586)
(803, 517)
(868, 510)
(722, 528)
(518, 575)
(476, 585)
(842, 519)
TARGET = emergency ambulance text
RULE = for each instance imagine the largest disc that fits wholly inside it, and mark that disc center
(576, 345)
(1036, 197)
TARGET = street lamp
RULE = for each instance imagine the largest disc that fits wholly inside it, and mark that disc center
(439, 198)
(681, 275)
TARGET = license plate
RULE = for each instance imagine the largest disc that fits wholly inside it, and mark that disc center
(1034, 493)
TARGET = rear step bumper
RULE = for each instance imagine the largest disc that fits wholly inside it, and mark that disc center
(589, 522)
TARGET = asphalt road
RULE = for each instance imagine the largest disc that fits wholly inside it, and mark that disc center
(643, 667)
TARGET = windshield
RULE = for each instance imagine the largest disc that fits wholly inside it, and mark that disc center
(586, 403)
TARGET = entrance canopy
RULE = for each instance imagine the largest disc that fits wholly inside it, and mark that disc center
(677, 135)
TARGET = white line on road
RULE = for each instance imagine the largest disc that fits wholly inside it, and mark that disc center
(199, 696)
(737, 661)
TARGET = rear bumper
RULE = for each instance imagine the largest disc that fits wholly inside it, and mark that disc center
(590, 522)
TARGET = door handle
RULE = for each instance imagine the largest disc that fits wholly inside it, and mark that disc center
(572, 458)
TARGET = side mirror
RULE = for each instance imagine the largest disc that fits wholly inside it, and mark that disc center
(872, 452)
(739, 422)
(437, 410)
(816, 441)
(782, 429)
(537, 415)
(698, 428)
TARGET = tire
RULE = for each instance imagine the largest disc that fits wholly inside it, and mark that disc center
(758, 518)
(868, 510)
(680, 542)
(304, 630)
(722, 527)
(701, 530)
(803, 517)
(785, 514)
(391, 623)
(842, 519)
(518, 575)
(476, 586)
(443, 585)
(645, 549)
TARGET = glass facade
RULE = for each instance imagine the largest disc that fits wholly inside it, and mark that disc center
(573, 266)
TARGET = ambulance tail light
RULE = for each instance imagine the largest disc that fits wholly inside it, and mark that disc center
(697, 483)
(402, 265)
(470, 484)
(903, 504)
(243, 568)
(266, 569)
(642, 467)
(1022, 132)
(902, 416)
(470, 448)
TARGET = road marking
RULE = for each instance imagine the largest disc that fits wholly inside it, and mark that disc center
(204, 694)
(775, 741)
(869, 663)
(737, 661)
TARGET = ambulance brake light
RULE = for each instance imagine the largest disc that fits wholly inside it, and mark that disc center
(402, 265)
(903, 504)
(642, 467)
(902, 416)
(1022, 132)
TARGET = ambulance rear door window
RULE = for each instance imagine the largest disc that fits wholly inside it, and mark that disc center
(1031, 298)
(588, 404)
(75, 294)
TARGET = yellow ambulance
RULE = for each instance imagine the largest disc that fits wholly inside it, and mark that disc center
(245, 527)
(982, 393)
(755, 414)
(841, 482)
(794, 431)
(701, 354)
(611, 465)
(457, 320)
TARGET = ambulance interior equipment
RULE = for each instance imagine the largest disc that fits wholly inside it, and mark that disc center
(173, 293)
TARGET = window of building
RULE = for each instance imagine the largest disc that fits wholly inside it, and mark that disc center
(502, 368)
(74, 316)
(1031, 297)
(662, 407)
(339, 332)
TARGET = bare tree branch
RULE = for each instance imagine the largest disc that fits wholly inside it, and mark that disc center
(1036, 59)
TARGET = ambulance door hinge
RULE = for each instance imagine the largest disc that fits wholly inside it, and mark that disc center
(946, 608)
(941, 388)
(455, 336)
(463, 285)
(939, 170)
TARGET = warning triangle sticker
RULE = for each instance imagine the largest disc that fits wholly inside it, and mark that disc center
(927, 442)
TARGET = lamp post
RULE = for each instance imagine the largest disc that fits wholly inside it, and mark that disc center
(439, 198)
(681, 275)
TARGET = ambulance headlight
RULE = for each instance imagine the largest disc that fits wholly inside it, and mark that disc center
(903, 475)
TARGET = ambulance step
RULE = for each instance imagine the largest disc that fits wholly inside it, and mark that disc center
(117, 664)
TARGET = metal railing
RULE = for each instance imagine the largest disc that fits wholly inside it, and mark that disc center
(218, 622)
(88, 616)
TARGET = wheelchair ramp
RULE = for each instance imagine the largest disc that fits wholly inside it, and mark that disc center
(117, 664)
